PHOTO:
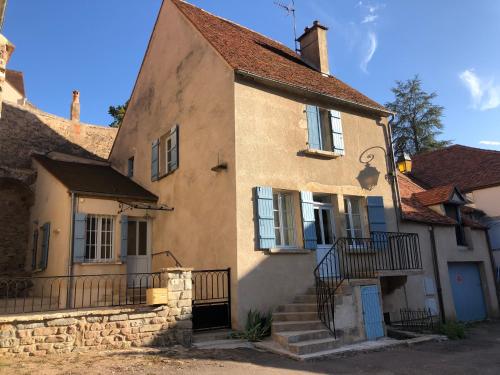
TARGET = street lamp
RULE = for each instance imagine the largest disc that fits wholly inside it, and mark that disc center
(404, 163)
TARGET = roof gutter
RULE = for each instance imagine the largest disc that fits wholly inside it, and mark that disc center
(247, 74)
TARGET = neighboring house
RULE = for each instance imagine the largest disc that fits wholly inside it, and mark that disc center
(458, 280)
(26, 130)
(475, 172)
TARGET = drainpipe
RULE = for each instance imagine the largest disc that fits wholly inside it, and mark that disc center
(436, 274)
(69, 296)
(395, 187)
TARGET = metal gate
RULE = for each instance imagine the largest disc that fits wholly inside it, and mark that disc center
(211, 299)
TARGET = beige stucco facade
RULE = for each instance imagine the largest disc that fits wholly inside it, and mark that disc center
(418, 293)
(488, 201)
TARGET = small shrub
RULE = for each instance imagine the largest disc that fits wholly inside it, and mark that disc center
(257, 328)
(453, 330)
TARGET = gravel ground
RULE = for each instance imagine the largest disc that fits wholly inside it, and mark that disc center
(478, 354)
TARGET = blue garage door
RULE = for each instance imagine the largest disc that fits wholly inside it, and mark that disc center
(467, 291)
(372, 312)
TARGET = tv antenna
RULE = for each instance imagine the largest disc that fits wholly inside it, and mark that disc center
(290, 10)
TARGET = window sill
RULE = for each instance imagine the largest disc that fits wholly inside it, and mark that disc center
(289, 250)
(353, 249)
(100, 263)
(321, 154)
(162, 176)
(464, 248)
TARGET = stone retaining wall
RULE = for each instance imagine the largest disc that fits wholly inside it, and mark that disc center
(106, 328)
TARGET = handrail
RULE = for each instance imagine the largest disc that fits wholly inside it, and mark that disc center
(169, 253)
(360, 258)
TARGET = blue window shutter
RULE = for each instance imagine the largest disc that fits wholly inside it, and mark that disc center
(155, 159)
(34, 250)
(175, 147)
(45, 246)
(313, 127)
(308, 221)
(337, 132)
(376, 214)
(265, 217)
(123, 238)
(79, 237)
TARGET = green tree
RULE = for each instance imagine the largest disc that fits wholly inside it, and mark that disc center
(118, 113)
(418, 121)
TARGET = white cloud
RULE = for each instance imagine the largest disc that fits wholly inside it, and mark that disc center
(484, 93)
(370, 18)
(370, 51)
(490, 143)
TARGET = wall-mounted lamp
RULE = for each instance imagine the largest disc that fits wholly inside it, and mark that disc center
(404, 163)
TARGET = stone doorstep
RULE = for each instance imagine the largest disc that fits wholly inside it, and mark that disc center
(363, 347)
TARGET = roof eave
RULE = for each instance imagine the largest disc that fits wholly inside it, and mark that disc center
(111, 195)
(266, 80)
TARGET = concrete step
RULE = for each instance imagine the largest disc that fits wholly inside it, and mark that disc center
(294, 316)
(305, 298)
(298, 307)
(291, 337)
(305, 325)
(314, 346)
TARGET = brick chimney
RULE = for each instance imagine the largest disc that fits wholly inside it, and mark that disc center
(6, 50)
(75, 107)
(314, 48)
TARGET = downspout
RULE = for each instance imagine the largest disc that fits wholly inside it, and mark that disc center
(395, 186)
(436, 274)
(69, 296)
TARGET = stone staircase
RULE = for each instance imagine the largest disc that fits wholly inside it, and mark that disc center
(297, 331)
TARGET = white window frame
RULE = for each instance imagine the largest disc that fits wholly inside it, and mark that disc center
(137, 231)
(281, 214)
(349, 216)
(172, 139)
(98, 240)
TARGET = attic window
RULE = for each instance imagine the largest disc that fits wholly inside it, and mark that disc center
(453, 211)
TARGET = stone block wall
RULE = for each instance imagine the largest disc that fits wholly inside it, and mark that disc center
(106, 328)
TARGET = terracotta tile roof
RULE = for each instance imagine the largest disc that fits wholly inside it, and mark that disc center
(465, 167)
(16, 79)
(436, 195)
(101, 180)
(250, 52)
(413, 209)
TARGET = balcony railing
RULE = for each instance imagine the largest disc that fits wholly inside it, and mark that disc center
(362, 258)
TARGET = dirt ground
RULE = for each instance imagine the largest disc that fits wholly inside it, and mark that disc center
(478, 354)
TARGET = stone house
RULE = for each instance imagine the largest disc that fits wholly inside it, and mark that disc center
(238, 153)
(26, 130)
(458, 280)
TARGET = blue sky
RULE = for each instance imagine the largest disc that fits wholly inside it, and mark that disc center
(97, 47)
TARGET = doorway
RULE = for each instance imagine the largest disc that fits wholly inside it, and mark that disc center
(325, 229)
(138, 253)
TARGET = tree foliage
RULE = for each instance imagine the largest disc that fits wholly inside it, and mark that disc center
(118, 113)
(418, 121)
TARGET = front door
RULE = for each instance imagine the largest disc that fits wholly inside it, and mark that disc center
(325, 232)
(138, 253)
(372, 312)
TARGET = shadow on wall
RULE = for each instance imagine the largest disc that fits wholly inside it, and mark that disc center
(21, 134)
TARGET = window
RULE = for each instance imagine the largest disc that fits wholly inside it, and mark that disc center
(324, 130)
(130, 167)
(165, 154)
(34, 250)
(99, 238)
(137, 240)
(284, 226)
(453, 211)
(353, 222)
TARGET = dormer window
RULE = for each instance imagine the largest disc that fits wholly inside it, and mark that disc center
(453, 211)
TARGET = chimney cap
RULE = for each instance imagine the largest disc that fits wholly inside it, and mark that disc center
(316, 24)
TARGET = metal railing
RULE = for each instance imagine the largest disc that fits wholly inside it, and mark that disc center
(421, 320)
(211, 299)
(39, 294)
(362, 258)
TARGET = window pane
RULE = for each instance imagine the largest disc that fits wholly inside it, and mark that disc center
(355, 205)
(132, 238)
(278, 237)
(318, 227)
(327, 226)
(143, 238)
